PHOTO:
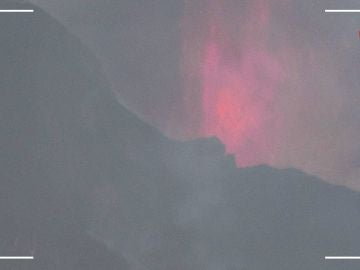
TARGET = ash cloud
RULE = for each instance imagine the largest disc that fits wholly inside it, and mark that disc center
(140, 46)
(97, 188)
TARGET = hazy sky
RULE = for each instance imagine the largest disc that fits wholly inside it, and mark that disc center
(290, 74)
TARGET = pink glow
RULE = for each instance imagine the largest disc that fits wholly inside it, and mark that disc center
(239, 79)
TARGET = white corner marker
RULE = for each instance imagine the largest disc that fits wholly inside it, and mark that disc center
(342, 257)
(342, 10)
(16, 10)
(16, 257)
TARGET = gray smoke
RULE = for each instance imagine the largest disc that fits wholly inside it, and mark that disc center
(139, 45)
(87, 185)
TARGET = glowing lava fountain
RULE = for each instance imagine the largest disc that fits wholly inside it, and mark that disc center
(237, 74)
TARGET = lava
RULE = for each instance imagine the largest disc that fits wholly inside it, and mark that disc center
(239, 76)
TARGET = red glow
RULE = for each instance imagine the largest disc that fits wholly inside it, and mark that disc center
(239, 78)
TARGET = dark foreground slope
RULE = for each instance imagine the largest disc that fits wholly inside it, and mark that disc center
(86, 185)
